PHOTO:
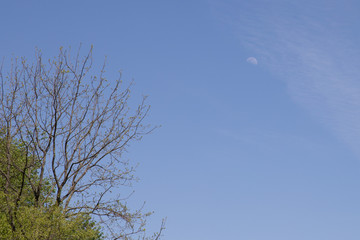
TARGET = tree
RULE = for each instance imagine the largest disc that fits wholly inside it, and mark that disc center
(19, 217)
(64, 131)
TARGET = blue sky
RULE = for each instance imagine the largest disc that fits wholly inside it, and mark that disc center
(246, 151)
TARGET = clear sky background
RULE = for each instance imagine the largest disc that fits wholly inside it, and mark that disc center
(266, 151)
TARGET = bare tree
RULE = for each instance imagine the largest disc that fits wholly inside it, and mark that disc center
(75, 127)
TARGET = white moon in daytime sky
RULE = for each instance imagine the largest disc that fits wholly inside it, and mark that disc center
(252, 60)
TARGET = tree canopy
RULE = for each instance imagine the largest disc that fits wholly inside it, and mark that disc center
(63, 132)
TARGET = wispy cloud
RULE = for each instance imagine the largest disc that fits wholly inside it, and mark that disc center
(311, 47)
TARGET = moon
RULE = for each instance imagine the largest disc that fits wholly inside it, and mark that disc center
(252, 60)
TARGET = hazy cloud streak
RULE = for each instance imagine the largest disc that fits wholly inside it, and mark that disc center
(312, 51)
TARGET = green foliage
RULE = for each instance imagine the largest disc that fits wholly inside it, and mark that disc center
(14, 166)
(20, 218)
(48, 223)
